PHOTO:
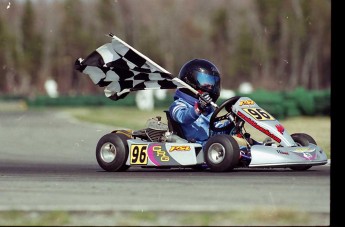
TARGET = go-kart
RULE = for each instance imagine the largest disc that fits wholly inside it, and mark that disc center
(163, 145)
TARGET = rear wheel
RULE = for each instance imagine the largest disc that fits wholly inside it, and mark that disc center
(112, 152)
(302, 139)
(222, 153)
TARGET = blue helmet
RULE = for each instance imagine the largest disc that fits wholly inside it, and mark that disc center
(203, 76)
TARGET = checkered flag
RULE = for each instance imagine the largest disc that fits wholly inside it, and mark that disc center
(121, 69)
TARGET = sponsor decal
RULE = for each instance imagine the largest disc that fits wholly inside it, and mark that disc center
(303, 149)
(282, 152)
(306, 153)
(160, 153)
(246, 102)
(255, 125)
(179, 148)
(307, 156)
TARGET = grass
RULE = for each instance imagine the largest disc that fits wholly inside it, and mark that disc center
(255, 216)
(32, 218)
(318, 127)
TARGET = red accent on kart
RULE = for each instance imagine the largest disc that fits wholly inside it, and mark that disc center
(280, 128)
(255, 125)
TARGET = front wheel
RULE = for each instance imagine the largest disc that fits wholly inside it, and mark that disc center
(222, 153)
(112, 152)
(302, 139)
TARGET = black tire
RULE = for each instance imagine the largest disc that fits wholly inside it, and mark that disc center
(222, 153)
(302, 139)
(112, 152)
(297, 136)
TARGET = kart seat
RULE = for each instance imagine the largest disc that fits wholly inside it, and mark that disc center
(174, 126)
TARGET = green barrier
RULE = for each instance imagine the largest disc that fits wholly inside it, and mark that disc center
(70, 101)
(322, 101)
(165, 103)
(272, 102)
(291, 108)
(278, 103)
(304, 100)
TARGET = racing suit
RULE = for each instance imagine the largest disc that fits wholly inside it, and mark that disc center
(195, 126)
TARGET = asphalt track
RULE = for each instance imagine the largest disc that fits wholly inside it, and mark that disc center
(47, 163)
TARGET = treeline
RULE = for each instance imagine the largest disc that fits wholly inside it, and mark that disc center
(274, 44)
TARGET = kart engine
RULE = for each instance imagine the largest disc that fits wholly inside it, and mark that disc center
(157, 131)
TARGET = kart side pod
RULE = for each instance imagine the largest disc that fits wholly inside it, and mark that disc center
(157, 154)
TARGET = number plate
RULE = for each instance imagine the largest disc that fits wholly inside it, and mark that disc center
(138, 154)
(259, 114)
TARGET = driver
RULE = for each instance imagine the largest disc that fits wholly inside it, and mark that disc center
(193, 112)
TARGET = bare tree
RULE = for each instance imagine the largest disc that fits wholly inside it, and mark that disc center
(276, 44)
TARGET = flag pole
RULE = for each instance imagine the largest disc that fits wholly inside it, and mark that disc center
(178, 80)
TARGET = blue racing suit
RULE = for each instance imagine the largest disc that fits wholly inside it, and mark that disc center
(195, 126)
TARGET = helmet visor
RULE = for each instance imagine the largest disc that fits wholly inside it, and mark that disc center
(208, 83)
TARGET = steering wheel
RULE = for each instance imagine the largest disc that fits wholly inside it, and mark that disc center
(215, 118)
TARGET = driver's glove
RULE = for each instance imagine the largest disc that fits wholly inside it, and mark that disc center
(204, 103)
